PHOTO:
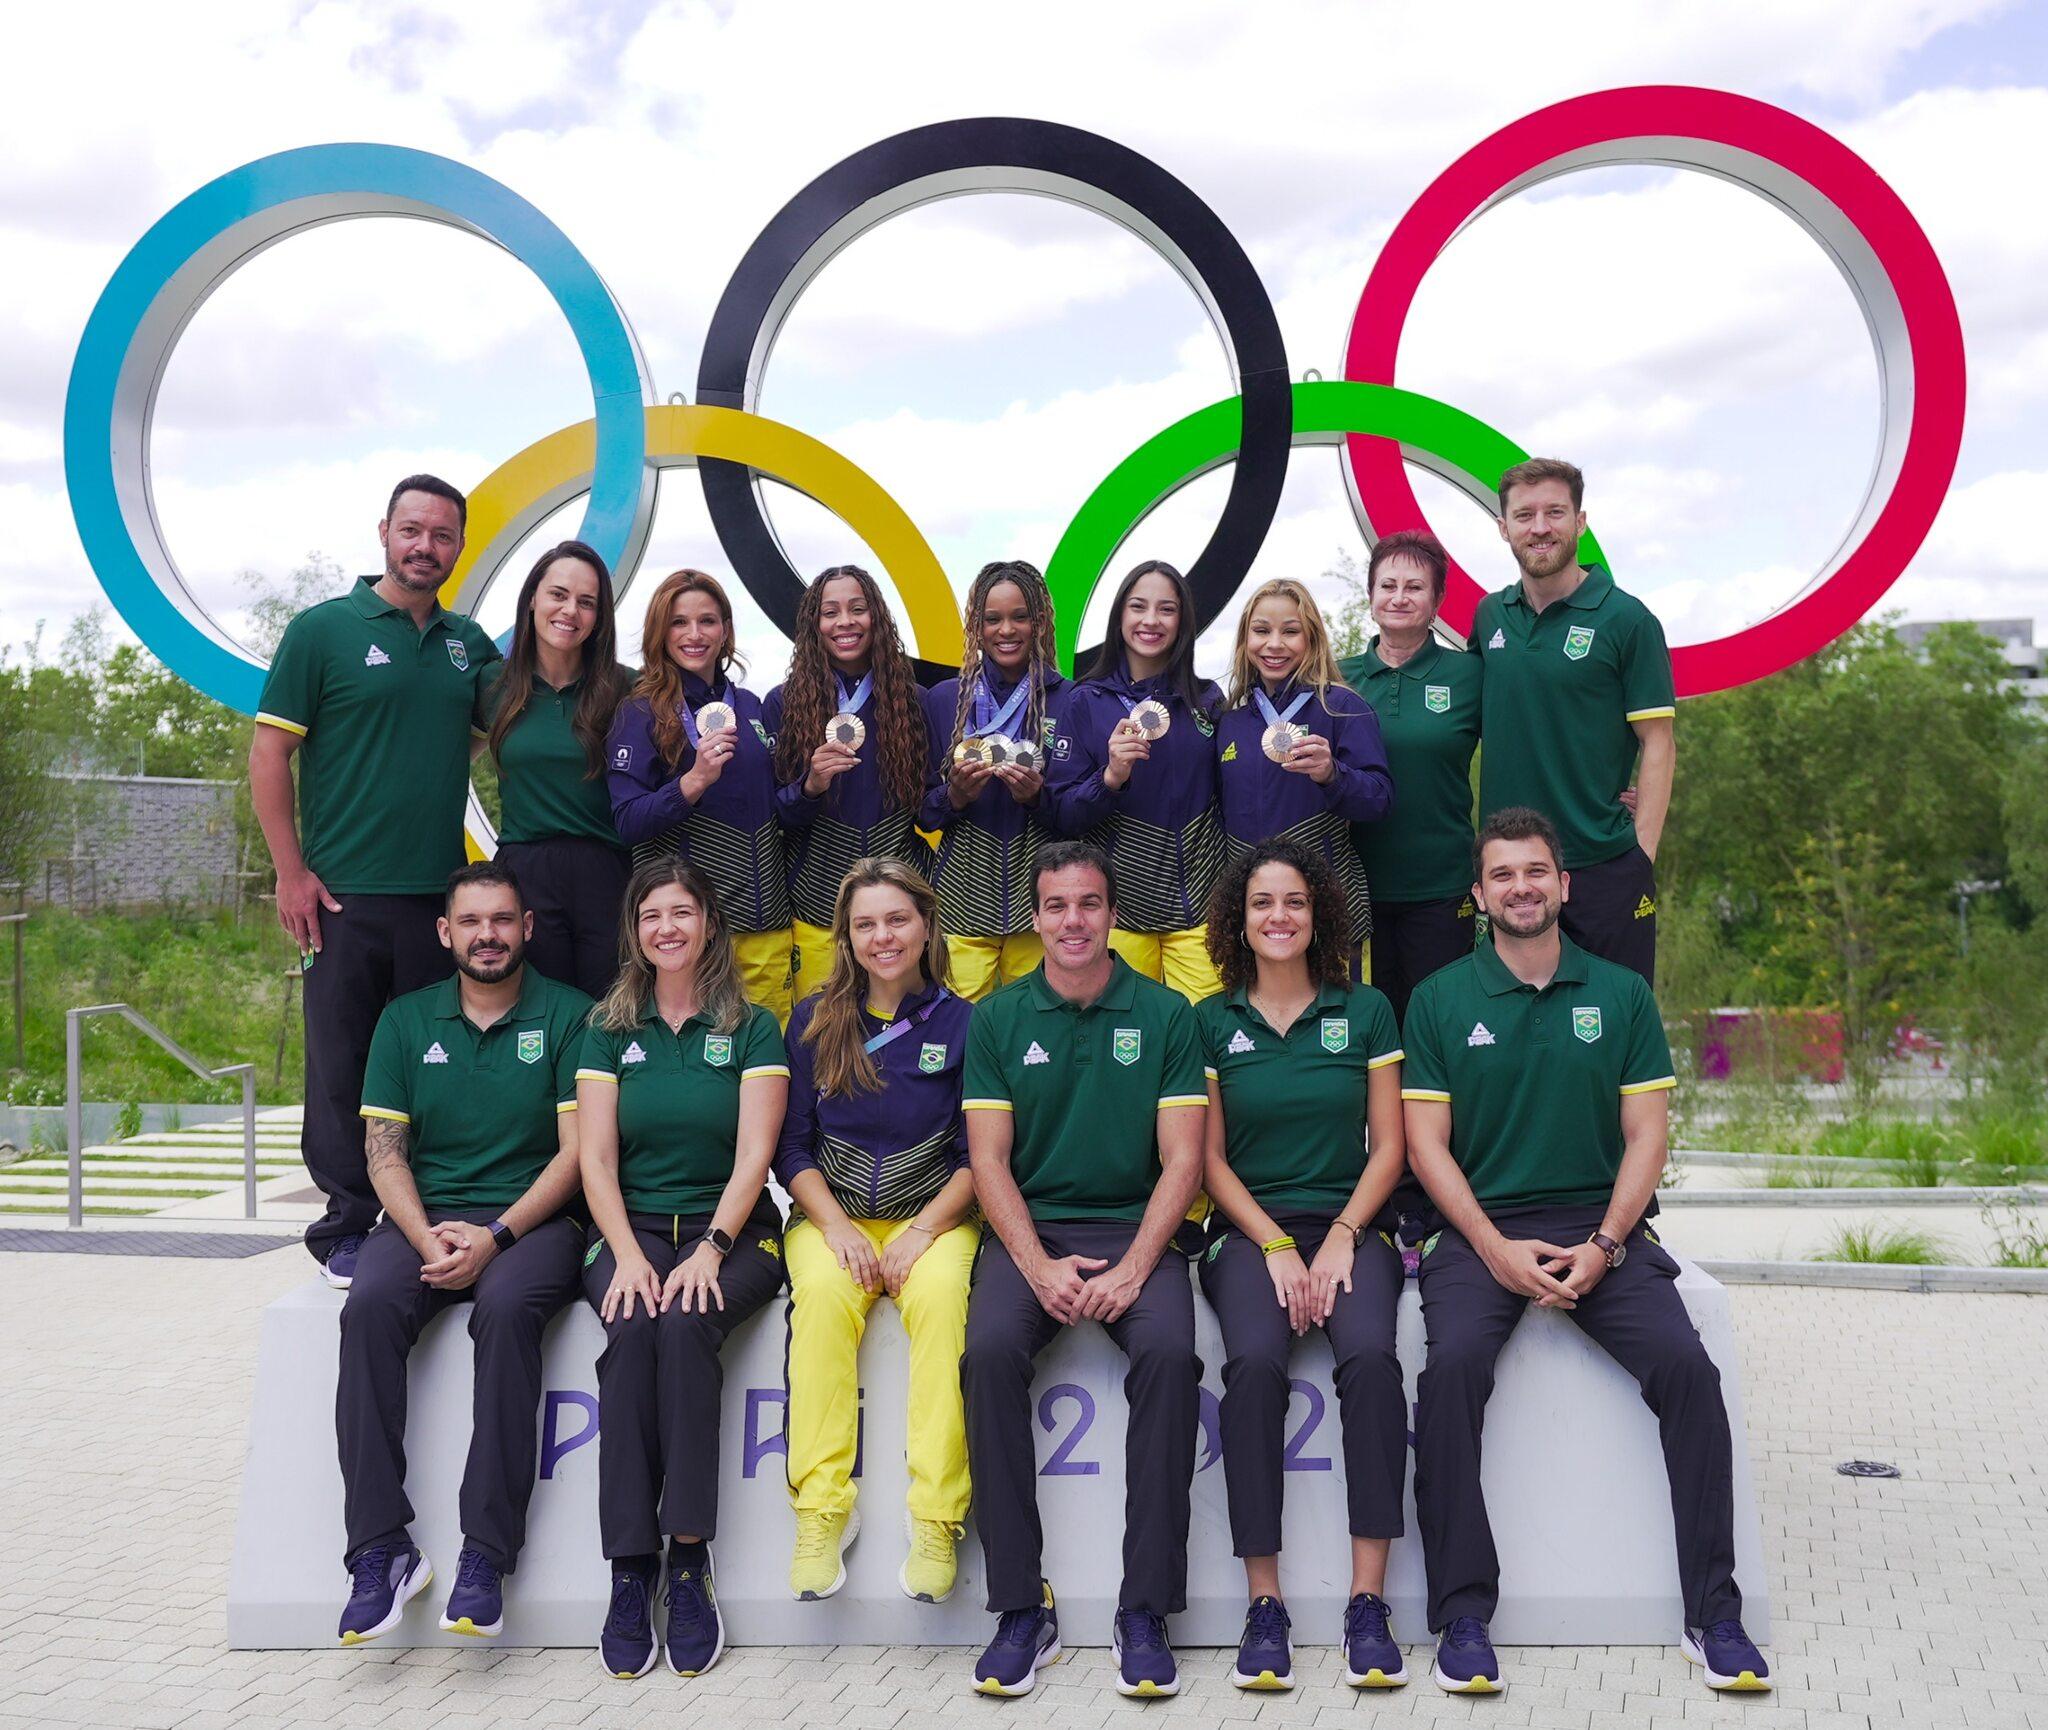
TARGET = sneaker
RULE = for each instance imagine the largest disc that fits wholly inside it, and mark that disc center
(1729, 1657)
(627, 1643)
(1372, 1656)
(696, 1631)
(339, 1269)
(930, 1568)
(1465, 1663)
(1144, 1661)
(1265, 1662)
(1026, 1641)
(817, 1567)
(477, 1605)
(385, 1578)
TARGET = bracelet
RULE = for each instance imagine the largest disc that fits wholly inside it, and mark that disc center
(1277, 1245)
(1357, 1231)
(912, 1225)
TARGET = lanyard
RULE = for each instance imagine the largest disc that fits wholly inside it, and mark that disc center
(851, 702)
(1273, 716)
(690, 718)
(896, 1029)
(988, 718)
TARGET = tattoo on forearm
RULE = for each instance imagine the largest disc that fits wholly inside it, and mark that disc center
(387, 1144)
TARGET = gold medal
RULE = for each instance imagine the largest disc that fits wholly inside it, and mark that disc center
(1152, 718)
(848, 729)
(971, 751)
(1280, 738)
(715, 718)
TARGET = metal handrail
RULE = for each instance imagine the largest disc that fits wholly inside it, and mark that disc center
(74, 1108)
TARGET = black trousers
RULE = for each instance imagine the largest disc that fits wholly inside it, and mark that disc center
(1412, 939)
(1257, 1343)
(1613, 911)
(661, 1381)
(574, 887)
(1636, 1316)
(376, 948)
(513, 1300)
(1006, 1330)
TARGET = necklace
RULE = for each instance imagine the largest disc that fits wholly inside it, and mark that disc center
(1273, 1021)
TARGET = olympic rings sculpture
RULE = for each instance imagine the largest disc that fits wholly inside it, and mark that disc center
(614, 458)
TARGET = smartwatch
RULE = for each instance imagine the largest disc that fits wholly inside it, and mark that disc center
(718, 1240)
(502, 1234)
(1616, 1253)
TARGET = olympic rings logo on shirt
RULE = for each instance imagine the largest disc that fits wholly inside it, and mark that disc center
(614, 457)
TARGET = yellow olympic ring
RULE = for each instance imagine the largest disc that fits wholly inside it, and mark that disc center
(506, 504)
(520, 492)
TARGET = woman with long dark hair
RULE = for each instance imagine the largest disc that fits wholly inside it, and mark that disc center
(551, 708)
(1298, 751)
(849, 731)
(1304, 1149)
(1134, 766)
(680, 1093)
(991, 730)
(692, 774)
(874, 1156)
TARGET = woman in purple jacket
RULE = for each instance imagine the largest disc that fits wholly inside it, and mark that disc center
(1298, 752)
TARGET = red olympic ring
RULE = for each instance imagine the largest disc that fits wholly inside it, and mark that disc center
(1840, 200)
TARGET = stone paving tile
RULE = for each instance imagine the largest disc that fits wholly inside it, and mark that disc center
(1905, 1603)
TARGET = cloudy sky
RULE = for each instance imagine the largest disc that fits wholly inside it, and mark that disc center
(989, 359)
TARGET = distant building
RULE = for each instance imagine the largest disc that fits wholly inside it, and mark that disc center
(2015, 639)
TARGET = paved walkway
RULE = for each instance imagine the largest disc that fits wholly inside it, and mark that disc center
(1911, 1603)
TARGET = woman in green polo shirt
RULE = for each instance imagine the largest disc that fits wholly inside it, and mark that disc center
(1419, 858)
(550, 710)
(685, 1082)
(1304, 1149)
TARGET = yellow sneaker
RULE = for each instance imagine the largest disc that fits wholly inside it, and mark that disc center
(931, 1567)
(817, 1568)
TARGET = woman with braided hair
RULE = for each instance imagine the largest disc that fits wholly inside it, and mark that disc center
(849, 730)
(990, 731)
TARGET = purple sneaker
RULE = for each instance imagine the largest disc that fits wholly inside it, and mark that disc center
(477, 1605)
(1729, 1657)
(382, 1581)
(339, 1269)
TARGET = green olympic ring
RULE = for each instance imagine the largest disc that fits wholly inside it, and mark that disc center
(1464, 450)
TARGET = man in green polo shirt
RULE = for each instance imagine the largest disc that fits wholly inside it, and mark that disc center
(1536, 1106)
(1084, 1096)
(470, 1101)
(1578, 682)
(379, 695)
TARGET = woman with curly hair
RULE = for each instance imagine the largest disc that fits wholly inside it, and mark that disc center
(704, 790)
(984, 796)
(1134, 768)
(1298, 751)
(1304, 1148)
(849, 731)
(874, 1156)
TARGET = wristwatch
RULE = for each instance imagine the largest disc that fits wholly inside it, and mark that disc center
(718, 1240)
(1616, 1253)
(502, 1234)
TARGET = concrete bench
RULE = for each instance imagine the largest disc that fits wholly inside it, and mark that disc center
(1571, 1456)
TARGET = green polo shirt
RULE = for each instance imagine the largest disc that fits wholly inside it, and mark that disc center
(1085, 1083)
(481, 1102)
(679, 1102)
(1535, 1079)
(544, 780)
(385, 713)
(1563, 688)
(1428, 709)
(1294, 1103)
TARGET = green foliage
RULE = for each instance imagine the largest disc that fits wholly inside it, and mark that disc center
(1895, 1245)
(128, 1121)
(1350, 621)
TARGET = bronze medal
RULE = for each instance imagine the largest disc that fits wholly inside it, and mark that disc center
(848, 729)
(1152, 718)
(1280, 738)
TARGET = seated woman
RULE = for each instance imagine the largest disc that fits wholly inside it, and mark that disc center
(679, 1094)
(874, 1156)
(1304, 1148)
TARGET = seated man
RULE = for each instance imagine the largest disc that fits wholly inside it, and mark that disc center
(1536, 1117)
(469, 1098)
(1084, 1095)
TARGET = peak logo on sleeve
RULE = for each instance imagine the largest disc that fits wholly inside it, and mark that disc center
(434, 1054)
(1480, 1034)
(1036, 1053)
(376, 657)
(1498, 640)
(1240, 1041)
(1230, 752)
(634, 1053)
